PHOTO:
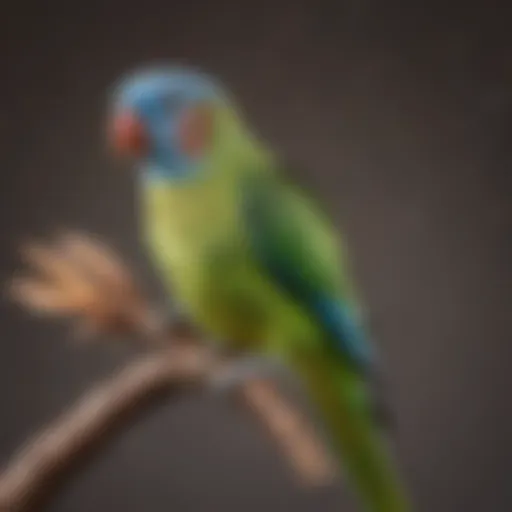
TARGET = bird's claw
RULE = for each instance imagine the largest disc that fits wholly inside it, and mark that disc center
(241, 371)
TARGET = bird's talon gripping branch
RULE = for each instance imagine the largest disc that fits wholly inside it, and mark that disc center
(241, 371)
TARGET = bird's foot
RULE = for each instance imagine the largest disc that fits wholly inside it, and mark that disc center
(242, 370)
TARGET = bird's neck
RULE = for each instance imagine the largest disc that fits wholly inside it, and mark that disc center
(234, 151)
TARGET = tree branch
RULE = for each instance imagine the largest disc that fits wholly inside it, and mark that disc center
(38, 467)
(108, 300)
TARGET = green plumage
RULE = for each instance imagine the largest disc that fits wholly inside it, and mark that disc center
(210, 237)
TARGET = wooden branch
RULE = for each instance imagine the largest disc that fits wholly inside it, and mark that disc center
(291, 432)
(35, 471)
(110, 301)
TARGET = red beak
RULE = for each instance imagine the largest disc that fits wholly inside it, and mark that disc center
(128, 135)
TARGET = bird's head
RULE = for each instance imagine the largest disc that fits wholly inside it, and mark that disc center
(164, 119)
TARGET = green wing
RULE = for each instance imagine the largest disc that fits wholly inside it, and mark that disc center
(293, 242)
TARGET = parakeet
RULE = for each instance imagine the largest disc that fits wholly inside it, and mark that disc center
(251, 257)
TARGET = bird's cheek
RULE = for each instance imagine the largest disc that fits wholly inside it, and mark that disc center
(195, 131)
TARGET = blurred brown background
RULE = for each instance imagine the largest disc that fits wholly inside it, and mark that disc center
(400, 113)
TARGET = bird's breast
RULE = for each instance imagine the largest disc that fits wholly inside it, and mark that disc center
(183, 225)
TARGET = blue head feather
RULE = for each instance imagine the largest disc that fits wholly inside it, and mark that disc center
(158, 97)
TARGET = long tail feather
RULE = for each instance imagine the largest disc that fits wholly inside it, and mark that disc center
(342, 399)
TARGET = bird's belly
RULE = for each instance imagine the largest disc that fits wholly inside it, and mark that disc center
(225, 298)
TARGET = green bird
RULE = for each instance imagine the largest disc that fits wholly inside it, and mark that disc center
(252, 258)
